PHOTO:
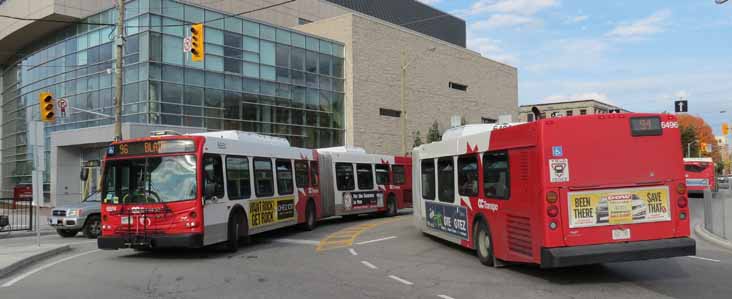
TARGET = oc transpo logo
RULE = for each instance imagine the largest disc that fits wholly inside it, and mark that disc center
(482, 204)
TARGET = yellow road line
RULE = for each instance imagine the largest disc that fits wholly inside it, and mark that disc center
(345, 237)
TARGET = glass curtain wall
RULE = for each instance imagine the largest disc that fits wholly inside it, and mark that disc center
(255, 77)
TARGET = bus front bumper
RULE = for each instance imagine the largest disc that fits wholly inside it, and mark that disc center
(616, 252)
(150, 241)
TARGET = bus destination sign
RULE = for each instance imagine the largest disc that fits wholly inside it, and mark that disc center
(151, 147)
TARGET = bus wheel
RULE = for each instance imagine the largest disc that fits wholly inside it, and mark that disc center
(391, 207)
(233, 232)
(310, 221)
(483, 244)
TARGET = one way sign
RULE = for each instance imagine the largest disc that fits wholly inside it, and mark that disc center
(681, 106)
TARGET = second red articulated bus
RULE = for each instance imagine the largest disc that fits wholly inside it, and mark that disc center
(196, 190)
(558, 192)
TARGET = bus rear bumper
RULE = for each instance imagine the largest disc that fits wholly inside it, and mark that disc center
(616, 252)
(150, 241)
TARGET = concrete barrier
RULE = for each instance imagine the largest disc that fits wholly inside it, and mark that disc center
(718, 213)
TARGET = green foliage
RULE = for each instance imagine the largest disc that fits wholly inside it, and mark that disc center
(434, 133)
(417, 139)
(688, 135)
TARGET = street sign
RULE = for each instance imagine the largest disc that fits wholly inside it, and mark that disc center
(681, 106)
(62, 105)
(187, 44)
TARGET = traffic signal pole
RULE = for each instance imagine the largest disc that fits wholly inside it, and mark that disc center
(119, 43)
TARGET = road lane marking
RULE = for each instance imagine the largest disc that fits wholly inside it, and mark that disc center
(352, 251)
(377, 240)
(407, 282)
(445, 297)
(346, 237)
(703, 258)
(46, 266)
(370, 265)
(297, 241)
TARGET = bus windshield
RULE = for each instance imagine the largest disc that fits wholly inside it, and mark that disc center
(150, 180)
(696, 167)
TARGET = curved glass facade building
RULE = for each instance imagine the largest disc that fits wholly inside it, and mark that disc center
(255, 77)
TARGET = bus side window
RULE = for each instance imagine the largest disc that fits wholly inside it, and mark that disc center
(468, 175)
(496, 178)
(213, 179)
(314, 173)
(263, 178)
(237, 177)
(344, 176)
(446, 179)
(365, 175)
(284, 176)
(382, 174)
(428, 179)
(301, 173)
(397, 173)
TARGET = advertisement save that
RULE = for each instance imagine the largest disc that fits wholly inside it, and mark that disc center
(448, 219)
(618, 206)
(271, 211)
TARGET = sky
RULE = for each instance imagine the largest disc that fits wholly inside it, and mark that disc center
(639, 55)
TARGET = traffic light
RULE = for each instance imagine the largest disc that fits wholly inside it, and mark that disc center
(197, 42)
(725, 129)
(702, 147)
(46, 106)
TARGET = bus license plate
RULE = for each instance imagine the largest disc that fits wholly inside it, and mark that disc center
(127, 220)
(621, 234)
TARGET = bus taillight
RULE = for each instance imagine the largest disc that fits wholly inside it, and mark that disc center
(552, 211)
(681, 188)
(551, 197)
(682, 202)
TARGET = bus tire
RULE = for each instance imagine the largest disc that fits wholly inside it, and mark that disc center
(234, 231)
(483, 243)
(391, 206)
(311, 220)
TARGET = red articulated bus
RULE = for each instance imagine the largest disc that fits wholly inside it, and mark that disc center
(557, 192)
(700, 175)
(196, 190)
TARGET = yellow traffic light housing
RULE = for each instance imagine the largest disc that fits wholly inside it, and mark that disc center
(47, 107)
(725, 129)
(197, 52)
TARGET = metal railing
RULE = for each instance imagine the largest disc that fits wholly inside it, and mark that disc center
(16, 214)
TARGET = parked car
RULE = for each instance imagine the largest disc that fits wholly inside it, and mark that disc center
(84, 216)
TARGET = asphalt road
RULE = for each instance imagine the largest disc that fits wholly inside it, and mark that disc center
(388, 258)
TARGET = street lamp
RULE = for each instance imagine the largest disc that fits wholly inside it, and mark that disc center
(403, 114)
(688, 148)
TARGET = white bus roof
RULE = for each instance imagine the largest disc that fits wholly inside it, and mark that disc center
(703, 159)
(246, 137)
(467, 130)
(343, 149)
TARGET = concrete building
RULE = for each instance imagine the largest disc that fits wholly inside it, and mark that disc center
(568, 108)
(317, 72)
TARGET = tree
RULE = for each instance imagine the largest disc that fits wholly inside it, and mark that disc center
(417, 139)
(702, 133)
(434, 133)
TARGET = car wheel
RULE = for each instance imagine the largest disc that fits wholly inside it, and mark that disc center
(483, 244)
(92, 227)
(67, 233)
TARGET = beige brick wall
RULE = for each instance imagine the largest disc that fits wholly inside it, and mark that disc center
(373, 63)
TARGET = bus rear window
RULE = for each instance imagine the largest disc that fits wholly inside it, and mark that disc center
(646, 126)
(695, 167)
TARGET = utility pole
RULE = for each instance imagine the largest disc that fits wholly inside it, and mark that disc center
(403, 113)
(119, 43)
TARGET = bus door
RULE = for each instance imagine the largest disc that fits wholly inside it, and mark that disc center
(215, 203)
(506, 189)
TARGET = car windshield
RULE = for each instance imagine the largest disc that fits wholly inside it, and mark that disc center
(150, 180)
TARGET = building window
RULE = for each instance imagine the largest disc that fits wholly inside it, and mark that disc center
(458, 86)
(487, 120)
(496, 177)
(365, 175)
(389, 112)
(301, 21)
(569, 112)
(583, 111)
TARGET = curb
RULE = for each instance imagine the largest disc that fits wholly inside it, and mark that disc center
(25, 234)
(4, 272)
(711, 238)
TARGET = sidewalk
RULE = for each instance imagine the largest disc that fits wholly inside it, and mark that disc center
(13, 258)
